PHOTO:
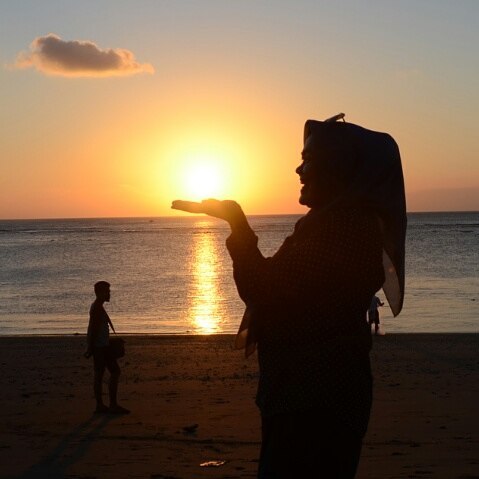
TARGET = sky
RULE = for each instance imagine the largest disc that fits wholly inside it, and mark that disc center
(115, 108)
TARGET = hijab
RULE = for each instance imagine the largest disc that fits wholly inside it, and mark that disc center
(369, 165)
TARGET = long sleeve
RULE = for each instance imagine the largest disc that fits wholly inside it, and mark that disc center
(320, 256)
(306, 311)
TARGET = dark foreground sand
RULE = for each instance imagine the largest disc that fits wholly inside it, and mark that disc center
(424, 423)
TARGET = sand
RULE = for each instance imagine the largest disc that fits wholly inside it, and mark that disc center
(424, 421)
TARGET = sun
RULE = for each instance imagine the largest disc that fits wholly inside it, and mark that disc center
(199, 168)
(203, 181)
(202, 175)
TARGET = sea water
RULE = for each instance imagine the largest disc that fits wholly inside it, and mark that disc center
(174, 275)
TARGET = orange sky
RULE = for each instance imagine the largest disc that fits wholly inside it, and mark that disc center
(227, 87)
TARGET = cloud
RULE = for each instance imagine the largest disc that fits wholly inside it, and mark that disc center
(53, 56)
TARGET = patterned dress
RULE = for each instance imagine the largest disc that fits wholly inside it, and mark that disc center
(308, 307)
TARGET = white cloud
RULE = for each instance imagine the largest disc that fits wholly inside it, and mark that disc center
(53, 56)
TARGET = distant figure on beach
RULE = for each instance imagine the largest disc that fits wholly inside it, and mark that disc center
(306, 305)
(373, 313)
(98, 338)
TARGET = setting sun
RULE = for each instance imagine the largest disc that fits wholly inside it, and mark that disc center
(200, 166)
(203, 180)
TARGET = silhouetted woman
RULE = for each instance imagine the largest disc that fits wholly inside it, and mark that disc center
(306, 305)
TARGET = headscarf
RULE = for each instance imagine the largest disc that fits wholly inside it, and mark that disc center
(368, 165)
(371, 165)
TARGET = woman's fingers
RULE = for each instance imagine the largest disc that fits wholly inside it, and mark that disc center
(227, 210)
(210, 207)
(189, 206)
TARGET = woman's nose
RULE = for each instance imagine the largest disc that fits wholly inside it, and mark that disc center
(299, 169)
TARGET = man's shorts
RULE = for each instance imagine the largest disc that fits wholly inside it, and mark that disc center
(102, 359)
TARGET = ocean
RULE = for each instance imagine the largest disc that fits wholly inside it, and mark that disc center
(174, 276)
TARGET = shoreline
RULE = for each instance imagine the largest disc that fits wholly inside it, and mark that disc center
(196, 335)
(424, 420)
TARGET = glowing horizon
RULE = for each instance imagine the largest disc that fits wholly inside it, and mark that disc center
(117, 118)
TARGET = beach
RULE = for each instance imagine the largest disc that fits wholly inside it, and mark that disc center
(424, 420)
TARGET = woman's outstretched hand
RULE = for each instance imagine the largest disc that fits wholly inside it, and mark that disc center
(227, 210)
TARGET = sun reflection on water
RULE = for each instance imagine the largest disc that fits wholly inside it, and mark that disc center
(205, 314)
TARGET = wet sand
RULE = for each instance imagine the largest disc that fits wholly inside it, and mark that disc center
(424, 421)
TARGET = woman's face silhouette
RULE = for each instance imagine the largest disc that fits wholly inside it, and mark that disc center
(320, 183)
(308, 174)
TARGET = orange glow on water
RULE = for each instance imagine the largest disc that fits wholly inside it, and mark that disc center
(205, 312)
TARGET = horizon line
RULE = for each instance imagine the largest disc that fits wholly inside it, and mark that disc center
(65, 218)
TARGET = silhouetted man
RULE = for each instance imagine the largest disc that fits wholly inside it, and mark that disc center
(98, 337)
(373, 313)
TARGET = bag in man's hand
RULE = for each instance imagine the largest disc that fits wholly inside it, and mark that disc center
(117, 347)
